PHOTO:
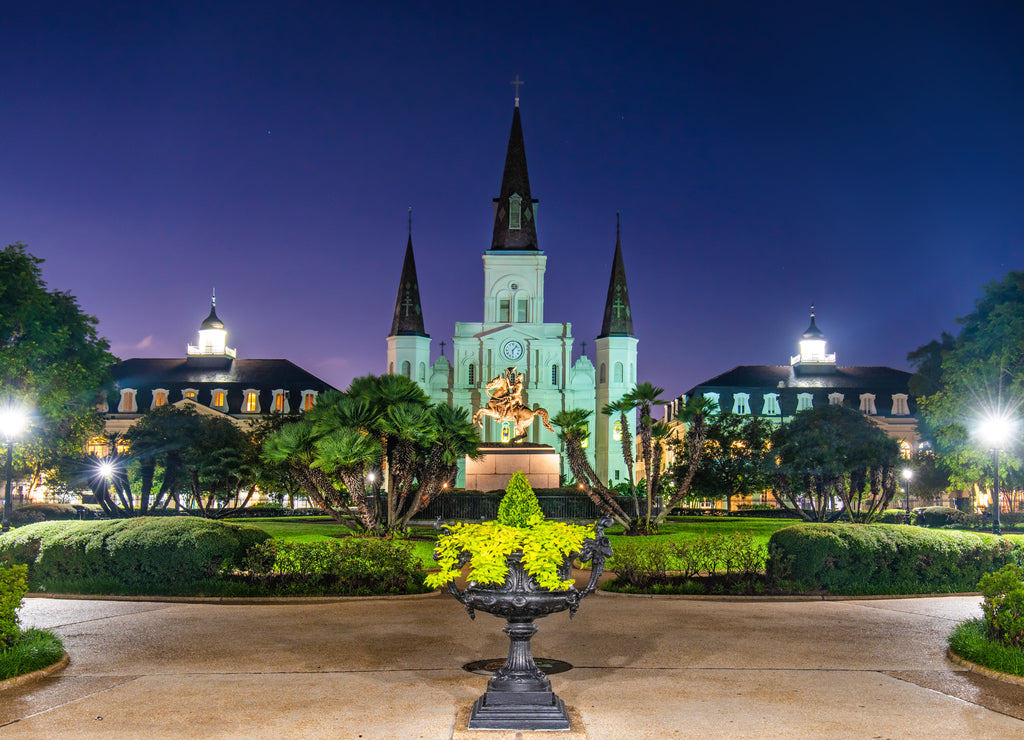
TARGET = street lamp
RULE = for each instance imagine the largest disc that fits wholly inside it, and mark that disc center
(12, 421)
(907, 475)
(995, 430)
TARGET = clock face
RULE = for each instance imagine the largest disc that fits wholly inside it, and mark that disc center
(512, 350)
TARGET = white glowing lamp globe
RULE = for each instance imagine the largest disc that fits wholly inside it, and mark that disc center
(996, 430)
(12, 421)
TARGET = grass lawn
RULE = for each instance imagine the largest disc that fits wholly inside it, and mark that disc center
(313, 529)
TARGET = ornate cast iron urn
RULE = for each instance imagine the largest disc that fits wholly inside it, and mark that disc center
(519, 695)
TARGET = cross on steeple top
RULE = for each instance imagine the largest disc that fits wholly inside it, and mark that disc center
(442, 349)
(516, 83)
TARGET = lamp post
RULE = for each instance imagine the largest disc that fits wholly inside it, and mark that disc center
(995, 430)
(12, 421)
(907, 475)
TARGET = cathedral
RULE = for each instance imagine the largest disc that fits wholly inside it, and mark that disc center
(513, 333)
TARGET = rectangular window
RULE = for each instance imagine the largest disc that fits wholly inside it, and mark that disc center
(251, 402)
(218, 398)
(515, 212)
(521, 315)
(191, 395)
(279, 403)
(159, 399)
(308, 399)
(503, 310)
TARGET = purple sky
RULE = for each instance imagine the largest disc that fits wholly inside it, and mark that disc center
(863, 156)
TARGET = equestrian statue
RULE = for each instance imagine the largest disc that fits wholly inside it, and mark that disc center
(506, 404)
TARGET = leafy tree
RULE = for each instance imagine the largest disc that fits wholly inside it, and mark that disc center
(51, 361)
(829, 453)
(735, 458)
(380, 425)
(978, 373)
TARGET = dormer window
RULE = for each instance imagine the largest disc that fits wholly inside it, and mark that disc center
(159, 398)
(835, 399)
(515, 211)
(741, 403)
(771, 405)
(308, 400)
(280, 404)
(713, 398)
(127, 403)
(867, 403)
(219, 399)
(251, 402)
(899, 404)
(190, 394)
(804, 401)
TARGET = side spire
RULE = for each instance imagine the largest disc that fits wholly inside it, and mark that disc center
(515, 210)
(408, 319)
(618, 317)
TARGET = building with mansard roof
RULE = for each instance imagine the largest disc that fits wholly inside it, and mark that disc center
(513, 331)
(813, 378)
(212, 378)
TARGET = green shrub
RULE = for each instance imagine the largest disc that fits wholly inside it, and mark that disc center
(30, 651)
(1003, 605)
(519, 505)
(892, 516)
(34, 513)
(645, 561)
(970, 641)
(884, 558)
(130, 552)
(937, 516)
(12, 591)
(353, 565)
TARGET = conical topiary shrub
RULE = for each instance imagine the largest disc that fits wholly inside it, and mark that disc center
(519, 506)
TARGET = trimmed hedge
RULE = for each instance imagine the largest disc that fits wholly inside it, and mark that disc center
(130, 552)
(34, 513)
(938, 516)
(886, 558)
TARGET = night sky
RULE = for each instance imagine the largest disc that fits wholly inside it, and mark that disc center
(866, 157)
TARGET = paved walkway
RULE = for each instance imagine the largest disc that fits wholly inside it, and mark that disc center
(391, 669)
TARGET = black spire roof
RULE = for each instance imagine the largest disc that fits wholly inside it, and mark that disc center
(813, 332)
(211, 321)
(514, 213)
(408, 319)
(618, 318)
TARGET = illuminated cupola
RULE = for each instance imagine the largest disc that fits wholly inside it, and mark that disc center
(212, 337)
(812, 358)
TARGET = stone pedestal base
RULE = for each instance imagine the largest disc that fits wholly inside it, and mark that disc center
(576, 730)
(539, 463)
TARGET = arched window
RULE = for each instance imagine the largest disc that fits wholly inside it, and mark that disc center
(771, 405)
(554, 375)
(391, 369)
(423, 372)
(406, 369)
(899, 404)
(472, 374)
(835, 399)
(617, 373)
(804, 401)
(617, 431)
(604, 374)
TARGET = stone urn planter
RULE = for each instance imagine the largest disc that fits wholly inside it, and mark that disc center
(519, 695)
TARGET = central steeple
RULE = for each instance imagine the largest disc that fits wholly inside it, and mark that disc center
(515, 211)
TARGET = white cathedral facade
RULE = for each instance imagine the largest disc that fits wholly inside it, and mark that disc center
(513, 333)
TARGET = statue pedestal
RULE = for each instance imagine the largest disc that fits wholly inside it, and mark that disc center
(539, 463)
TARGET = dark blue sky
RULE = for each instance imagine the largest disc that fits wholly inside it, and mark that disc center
(863, 156)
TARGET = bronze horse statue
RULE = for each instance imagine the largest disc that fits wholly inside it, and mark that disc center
(506, 405)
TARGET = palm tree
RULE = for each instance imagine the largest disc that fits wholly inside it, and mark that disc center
(660, 432)
(694, 414)
(623, 407)
(450, 437)
(347, 453)
(574, 430)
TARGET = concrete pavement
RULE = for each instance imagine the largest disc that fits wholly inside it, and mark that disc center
(391, 669)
